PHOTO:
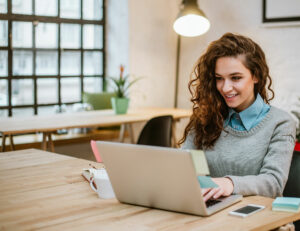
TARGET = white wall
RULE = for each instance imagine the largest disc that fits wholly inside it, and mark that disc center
(152, 51)
(117, 36)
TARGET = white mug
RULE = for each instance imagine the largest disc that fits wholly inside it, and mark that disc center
(103, 185)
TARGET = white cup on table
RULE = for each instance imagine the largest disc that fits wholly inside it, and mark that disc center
(100, 183)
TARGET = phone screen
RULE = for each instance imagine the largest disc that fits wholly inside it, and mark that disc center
(247, 209)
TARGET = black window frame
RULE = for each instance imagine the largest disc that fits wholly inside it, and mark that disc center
(11, 17)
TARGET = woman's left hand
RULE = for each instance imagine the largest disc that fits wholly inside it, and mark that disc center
(225, 188)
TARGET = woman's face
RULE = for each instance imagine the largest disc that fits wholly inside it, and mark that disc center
(235, 82)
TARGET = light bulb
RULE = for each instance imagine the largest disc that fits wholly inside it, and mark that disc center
(191, 25)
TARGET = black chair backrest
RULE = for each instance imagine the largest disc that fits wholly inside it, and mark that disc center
(292, 188)
(157, 132)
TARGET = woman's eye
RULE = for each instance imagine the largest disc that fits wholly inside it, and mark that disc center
(218, 78)
(236, 77)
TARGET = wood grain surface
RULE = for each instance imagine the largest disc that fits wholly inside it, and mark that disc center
(45, 191)
(98, 118)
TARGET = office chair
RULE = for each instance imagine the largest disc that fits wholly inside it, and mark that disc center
(157, 132)
(292, 188)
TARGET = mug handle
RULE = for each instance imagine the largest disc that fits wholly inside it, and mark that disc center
(92, 184)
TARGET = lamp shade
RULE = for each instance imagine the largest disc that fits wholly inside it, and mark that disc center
(191, 21)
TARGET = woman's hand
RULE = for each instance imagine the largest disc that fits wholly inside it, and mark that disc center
(225, 189)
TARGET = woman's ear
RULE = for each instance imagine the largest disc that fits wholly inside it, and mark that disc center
(255, 80)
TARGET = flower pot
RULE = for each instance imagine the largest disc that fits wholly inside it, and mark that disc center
(120, 105)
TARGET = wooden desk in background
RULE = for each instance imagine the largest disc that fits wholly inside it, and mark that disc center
(45, 191)
(87, 119)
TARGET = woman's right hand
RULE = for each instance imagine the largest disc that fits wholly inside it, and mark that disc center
(225, 189)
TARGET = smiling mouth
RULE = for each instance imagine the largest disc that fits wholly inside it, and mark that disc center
(230, 96)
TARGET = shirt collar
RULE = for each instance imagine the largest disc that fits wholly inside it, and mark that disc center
(250, 114)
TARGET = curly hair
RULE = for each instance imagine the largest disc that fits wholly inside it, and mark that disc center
(209, 107)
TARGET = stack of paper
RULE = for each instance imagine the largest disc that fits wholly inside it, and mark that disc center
(288, 204)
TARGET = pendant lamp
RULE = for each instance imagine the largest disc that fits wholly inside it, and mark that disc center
(191, 21)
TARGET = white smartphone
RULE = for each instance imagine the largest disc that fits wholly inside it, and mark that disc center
(247, 210)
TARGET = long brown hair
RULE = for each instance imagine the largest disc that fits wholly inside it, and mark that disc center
(209, 107)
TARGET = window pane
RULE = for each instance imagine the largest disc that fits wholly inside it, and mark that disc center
(22, 34)
(70, 63)
(92, 63)
(70, 90)
(3, 33)
(46, 63)
(47, 8)
(22, 63)
(3, 113)
(22, 6)
(22, 112)
(92, 36)
(3, 92)
(46, 35)
(22, 91)
(3, 7)
(70, 8)
(46, 110)
(92, 9)
(47, 91)
(92, 85)
(3, 63)
(70, 35)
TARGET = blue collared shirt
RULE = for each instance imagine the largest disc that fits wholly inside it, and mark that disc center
(248, 118)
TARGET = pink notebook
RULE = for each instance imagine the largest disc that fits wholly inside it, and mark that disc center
(95, 151)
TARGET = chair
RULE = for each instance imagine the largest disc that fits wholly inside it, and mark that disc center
(157, 132)
(99, 101)
(292, 188)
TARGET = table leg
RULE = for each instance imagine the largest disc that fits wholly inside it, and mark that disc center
(11, 139)
(174, 140)
(130, 130)
(44, 143)
(3, 143)
(121, 134)
(50, 142)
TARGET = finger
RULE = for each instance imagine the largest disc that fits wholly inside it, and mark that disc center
(219, 193)
(211, 193)
(205, 190)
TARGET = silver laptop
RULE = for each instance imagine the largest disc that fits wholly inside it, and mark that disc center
(157, 177)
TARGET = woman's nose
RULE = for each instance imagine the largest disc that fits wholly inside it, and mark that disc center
(227, 86)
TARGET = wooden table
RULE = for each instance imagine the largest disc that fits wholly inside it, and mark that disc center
(45, 191)
(87, 119)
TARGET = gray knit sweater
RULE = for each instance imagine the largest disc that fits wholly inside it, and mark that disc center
(258, 160)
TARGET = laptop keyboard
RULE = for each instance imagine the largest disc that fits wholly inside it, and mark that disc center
(211, 202)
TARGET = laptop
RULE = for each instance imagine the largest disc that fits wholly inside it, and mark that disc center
(157, 177)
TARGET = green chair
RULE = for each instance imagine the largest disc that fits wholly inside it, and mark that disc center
(292, 188)
(99, 101)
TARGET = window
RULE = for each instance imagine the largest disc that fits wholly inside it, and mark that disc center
(50, 53)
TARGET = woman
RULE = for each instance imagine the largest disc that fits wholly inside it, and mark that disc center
(248, 143)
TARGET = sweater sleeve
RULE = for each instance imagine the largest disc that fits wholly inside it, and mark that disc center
(274, 172)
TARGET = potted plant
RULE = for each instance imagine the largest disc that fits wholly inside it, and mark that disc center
(120, 103)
